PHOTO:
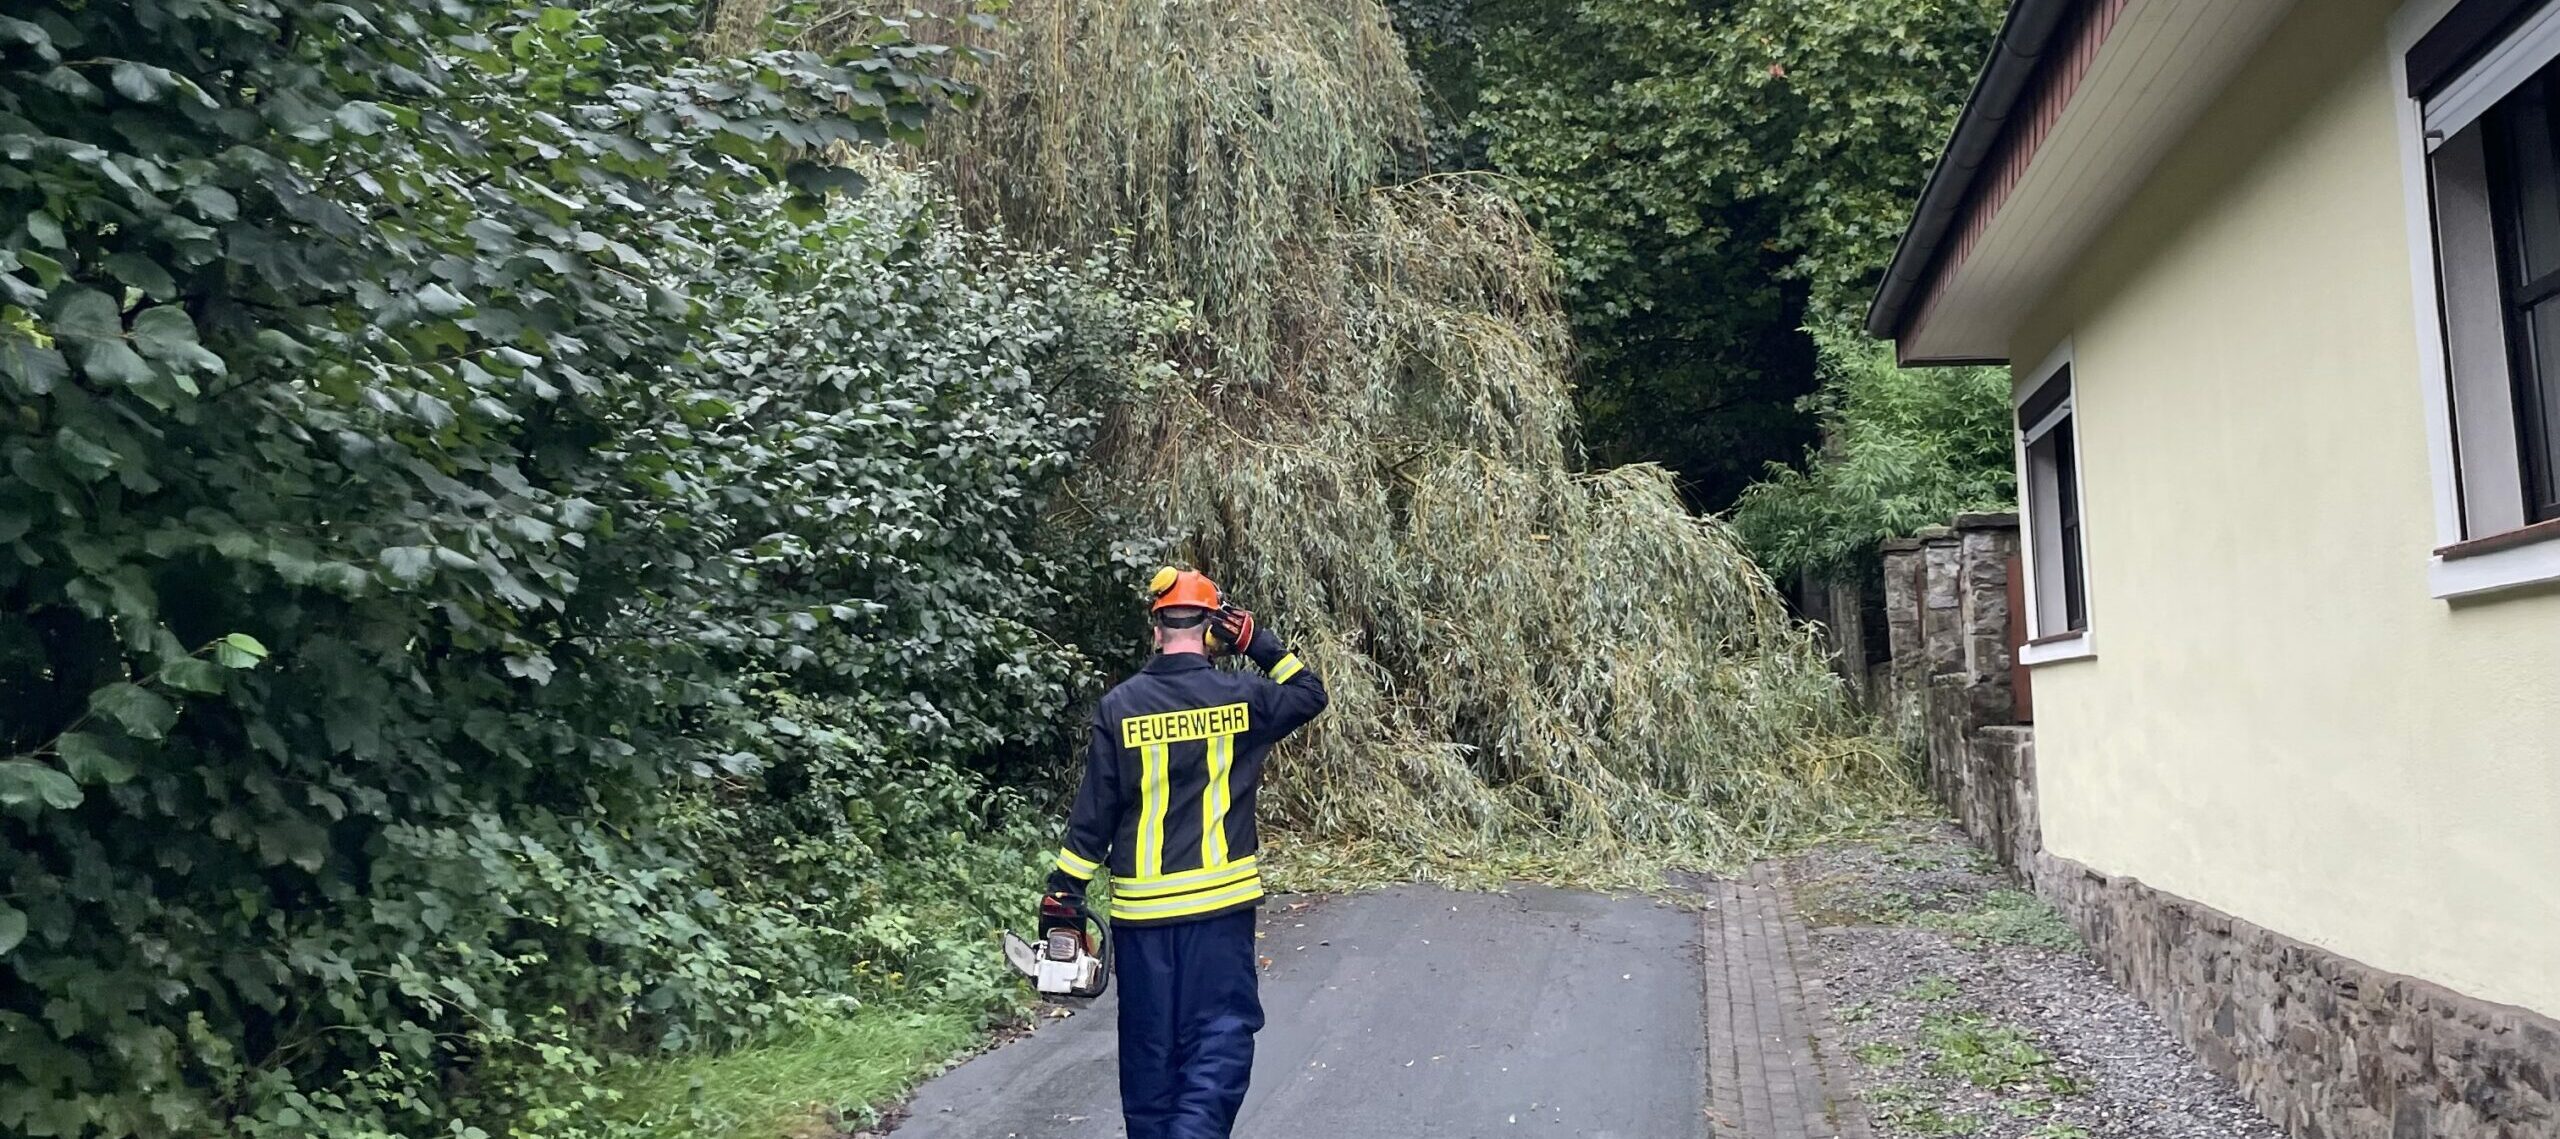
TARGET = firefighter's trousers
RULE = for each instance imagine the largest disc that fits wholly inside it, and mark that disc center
(1190, 1002)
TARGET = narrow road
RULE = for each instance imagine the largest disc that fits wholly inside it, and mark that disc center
(1413, 1013)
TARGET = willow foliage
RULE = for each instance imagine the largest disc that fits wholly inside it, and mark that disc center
(1373, 442)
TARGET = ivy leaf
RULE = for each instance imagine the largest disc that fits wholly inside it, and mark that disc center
(537, 669)
(167, 334)
(110, 362)
(214, 203)
(669, 303)
(295, 840)
(143, 273)
(48, 274)
(95, 459)
(13, 927)
(439, 300)
(69, 83)
(22, 782)
(141, 82)
(190, 674)
(363, 118)
(89, 761)
(42, 227)
(86, 316)
(409, 565)
(239, 650)
(139, 711)
(33, 370)
(817, 179)
(32, 35)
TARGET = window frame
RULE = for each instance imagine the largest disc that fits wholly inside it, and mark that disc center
(2518, 298)
(2049, 645)
(2461, 564)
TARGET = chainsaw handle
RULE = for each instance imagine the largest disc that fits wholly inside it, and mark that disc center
(1108, 966)
(1063, 910)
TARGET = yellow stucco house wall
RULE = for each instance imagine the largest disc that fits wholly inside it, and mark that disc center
(2280, 719)
(2278, 282)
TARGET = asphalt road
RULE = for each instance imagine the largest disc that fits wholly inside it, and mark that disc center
(1409, 1014)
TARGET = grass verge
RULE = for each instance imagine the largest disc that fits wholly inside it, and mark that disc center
(828, 1079)
(2008, 917)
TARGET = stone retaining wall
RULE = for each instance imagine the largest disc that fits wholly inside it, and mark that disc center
(2329, 1047)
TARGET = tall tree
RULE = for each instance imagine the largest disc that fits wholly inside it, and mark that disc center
(1715, 176)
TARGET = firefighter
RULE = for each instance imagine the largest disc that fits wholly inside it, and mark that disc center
(1167, 804)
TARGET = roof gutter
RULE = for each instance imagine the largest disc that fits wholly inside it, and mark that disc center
(2007, 79)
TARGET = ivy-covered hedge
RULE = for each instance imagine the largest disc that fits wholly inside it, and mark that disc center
(494, 568)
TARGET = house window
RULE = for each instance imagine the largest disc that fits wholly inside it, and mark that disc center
(2487, 83)
(2525, 196)
(2057, 594)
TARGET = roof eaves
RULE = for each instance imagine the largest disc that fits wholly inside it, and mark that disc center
(2008, 79)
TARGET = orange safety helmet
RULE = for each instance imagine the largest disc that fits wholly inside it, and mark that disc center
(1175, 588)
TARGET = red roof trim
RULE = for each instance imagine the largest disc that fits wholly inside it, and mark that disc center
(2058, 79)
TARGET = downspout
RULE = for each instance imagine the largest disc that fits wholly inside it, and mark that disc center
(2025, 36)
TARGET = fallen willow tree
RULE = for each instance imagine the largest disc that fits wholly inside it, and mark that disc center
(1374, 443)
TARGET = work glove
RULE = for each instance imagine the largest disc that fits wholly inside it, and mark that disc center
(1233, 627)
(1065, 885)
(1065, 888)
(1239, 633)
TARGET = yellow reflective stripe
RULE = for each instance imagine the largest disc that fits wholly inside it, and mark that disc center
(1188, 882)
(1289, 666)
(1186, 906)
(1155, 792)
(1076, 865)
(1213, 803)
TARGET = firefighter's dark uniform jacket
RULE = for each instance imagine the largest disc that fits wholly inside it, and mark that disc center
(1170, 780)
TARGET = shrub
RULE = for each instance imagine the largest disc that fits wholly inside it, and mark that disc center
(1905, 449)
(479, 526)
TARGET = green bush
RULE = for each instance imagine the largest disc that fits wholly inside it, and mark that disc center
(495, 570)
(1905, 448)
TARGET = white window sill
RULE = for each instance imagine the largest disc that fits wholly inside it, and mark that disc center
(2512, 568)
(2055, 650)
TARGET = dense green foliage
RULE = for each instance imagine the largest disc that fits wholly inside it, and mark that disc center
(495, 568)
(1532, 664)
(524, 546)
(1906, 449)
(1714, 177)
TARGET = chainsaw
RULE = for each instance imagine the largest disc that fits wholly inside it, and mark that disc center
(1067, 964)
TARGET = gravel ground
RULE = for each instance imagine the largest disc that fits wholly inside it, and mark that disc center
(1970, 1010)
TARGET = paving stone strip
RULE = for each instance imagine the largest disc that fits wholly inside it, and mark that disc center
(1774, 1065)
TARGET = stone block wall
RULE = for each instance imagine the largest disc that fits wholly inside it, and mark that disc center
(1947, 616)
(2329, 1047)
(1905, 675)
(1838, 611)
